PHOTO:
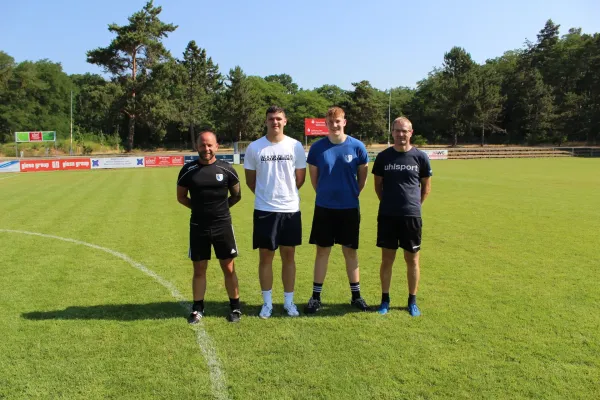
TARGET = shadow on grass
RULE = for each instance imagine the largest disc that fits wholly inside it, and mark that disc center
(169, 310)
(117, 312)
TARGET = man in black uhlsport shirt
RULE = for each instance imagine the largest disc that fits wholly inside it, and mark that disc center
(402, 183)
(214, 187)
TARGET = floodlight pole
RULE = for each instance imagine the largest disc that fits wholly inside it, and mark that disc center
(389, 116)
(71, 147)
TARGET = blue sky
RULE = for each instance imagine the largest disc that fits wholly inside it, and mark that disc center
(389, 43)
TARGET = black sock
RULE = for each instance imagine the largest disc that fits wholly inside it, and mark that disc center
(412, 299)
(198, 305)
(385, 297)
(234, 303)
(317, 288)
(355, 289)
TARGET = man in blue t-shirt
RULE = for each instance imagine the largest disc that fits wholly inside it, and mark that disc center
(402, 183)
(338, 172)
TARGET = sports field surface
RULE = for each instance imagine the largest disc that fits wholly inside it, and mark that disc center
(94, 282)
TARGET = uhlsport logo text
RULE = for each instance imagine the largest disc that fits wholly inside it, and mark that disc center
(401, 167)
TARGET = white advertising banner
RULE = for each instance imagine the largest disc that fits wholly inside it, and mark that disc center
(9, 166)
(437, 154)
(118, 162)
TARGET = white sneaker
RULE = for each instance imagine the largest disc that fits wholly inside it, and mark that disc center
(265, 311)
(291, 309)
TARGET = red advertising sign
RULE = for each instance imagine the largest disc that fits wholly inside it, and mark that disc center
(163, 161)
(40, 165)
(75, 163)
(35, 136)
(55, 165)
(315, 127)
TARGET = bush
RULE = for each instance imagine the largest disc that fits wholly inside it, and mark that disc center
(418, 140)
(63, 145)
(7, 149)
(369, 141)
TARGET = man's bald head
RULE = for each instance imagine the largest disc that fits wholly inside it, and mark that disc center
(210, 133)
(207, 147)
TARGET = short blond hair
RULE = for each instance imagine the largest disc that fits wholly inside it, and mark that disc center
(402, 119)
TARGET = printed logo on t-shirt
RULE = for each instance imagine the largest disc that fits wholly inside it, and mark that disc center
(219, 177)
(277, 157)
(348, 157)
(401, 167)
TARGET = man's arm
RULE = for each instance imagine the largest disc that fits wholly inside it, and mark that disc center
(425, 188)
(379, 186)
(300, 177)
(362, 176)
(235, 195)
(250, 179)
(314, 175)
(182, 196)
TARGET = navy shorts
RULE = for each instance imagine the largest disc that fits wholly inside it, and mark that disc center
(273, 229)
(394, 232)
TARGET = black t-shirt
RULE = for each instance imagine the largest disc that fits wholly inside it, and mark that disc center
(402, 173)
(209, 189)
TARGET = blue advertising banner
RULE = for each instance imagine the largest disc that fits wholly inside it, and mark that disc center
(223, 157)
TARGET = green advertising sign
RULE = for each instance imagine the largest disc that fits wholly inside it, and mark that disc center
(43, 136)
(22, 136)
(49, 136)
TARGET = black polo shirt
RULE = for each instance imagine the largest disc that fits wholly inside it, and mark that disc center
(209, 190)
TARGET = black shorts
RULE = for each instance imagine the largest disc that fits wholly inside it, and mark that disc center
(332, 226)
(404, 232)
(220, 237)
(273, 229)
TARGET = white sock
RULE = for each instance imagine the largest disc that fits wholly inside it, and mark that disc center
(288, 298)
(266, 294)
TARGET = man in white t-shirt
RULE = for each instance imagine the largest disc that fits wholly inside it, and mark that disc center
(275, 167)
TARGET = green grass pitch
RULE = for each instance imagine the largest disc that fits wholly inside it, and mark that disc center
(509, 294)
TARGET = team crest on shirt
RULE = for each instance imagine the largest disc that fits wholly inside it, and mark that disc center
(219, 177)
(348, 157)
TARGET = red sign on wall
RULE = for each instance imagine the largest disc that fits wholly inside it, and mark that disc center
(163, 161)
(315, 127)
(75, 163)
(63, 164)
(40, 165)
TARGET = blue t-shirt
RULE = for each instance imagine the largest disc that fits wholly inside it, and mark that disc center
(337, 186)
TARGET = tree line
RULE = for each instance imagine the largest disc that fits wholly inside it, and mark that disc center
(546, 92)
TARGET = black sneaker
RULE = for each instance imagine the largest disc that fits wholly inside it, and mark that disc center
(313, 306)
(360, 303)
(195, 317)
(234, 316)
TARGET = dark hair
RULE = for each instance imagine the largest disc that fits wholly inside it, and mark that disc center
(275, 109)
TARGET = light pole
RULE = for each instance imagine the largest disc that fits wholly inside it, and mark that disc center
(71, 148)
(389, 116)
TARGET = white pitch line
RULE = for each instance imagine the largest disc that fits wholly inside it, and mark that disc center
(217, 376)
(8, 177)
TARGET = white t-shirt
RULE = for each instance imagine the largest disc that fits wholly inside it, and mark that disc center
(275, 165)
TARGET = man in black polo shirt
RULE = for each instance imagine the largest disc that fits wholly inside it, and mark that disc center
(214, 187)
(402, 183)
